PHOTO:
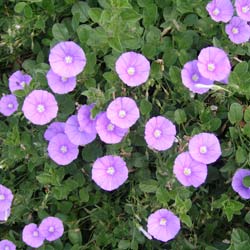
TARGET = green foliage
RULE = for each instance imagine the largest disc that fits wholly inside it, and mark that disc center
(169, 33)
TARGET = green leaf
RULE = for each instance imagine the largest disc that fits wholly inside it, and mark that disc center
(247, 217)
(186, 219)
(145, 107)
(180, 116)
(240, 155)
(149, 186)
(19, 7)
(115, 43)
(75, 236)
(246, 181)
(235, 113)
(95, 14)
(81, 8)
(92, 151)
(238, 236)
(247, 115)
(60, 32)
(84, 195)
(28, 11)
(124, 244)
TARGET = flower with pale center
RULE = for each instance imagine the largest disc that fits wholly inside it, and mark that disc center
(210, 67)
(22, 83)
(163, 222)
(235, 30)
(64, 79)
(10, 106)
(63, 149)
(35, 234)
(51, 229)
(203, 149)
(187, 171)
(216, 12)
(6, 248)
(131, 71)
(157, 133)
(110, 127)
(245, 9)
(195, 77)
(110, 170)
(40, 108)
(2, 197)
(68, 59)
(122, 113)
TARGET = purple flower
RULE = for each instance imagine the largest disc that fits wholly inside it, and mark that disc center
(220, 10)
(61, 150)
(60, 84)
(6, 198)
(123, 112)
(132, 68)
(188, 171)
(76, 134)
(4, 215)
(18, 80)
(243, 9)
(40, 107)
(109, 172)
(67, 59)
(238, 30)
(31, 236)
(7, 245)
(51, 228)
(238, 185)
(8, 105)
(163, 225)
(159, 133)
(204, 148)
(85, 119)
(108, 132)
(191, 78)
(53, 129)
(213, 64)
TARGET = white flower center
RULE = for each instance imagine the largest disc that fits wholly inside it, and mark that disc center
(110, 170)
(51, 229)
(40, 108)
(17, 26)
(64, 79)
(10, 105)
(216, 12)
(157, 133)
(68, 59)
(210, 67)
(2, 197)
(245, 9)
(22, 83)
(122, 113)
(195, 77)
(35, 233)
(203, 149)
(63, 149)
(110, 127)
(6, 248)
(187, 171)
(163, 222)
(131, 71)
(235, 30)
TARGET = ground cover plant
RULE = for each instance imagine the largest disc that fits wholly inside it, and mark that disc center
(124, 124)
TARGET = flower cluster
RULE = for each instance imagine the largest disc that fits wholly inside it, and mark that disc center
(237, 29)
(212, 65)
(190, 168)
(6, 198)
(50, 229)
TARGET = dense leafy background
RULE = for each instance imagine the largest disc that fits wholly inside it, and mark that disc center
(169, 33)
